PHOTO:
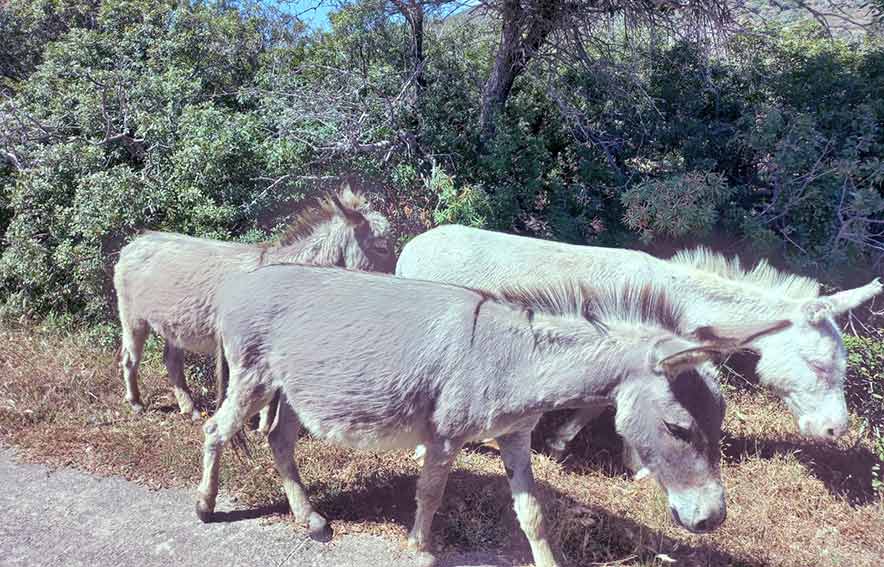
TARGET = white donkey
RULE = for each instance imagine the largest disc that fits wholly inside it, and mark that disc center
(167, 282)
(368, 360)
(804, 363)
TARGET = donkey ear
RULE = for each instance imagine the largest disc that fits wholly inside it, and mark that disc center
(688, 359)
(737, 336)
(352, 216)
(839, 303)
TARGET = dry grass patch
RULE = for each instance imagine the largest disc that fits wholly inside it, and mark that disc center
(789, 502)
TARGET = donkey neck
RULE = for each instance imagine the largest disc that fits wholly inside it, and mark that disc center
(561, 363)
(322, 247)
(301, 251)
(710, 298)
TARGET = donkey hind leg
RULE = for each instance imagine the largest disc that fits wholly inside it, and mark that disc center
(282, 440)
(134, 335)
(174, 359)
(268, 415)
(557, 443)
(241, 403)
(515, 450)
(438, 458)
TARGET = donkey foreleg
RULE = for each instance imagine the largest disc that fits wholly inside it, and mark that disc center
(438, 458)
(282, 440)
(174, 359)
(557, 443)
(515, 450)
(207, 492)
(243, 401)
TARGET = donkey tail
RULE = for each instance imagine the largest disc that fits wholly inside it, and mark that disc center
(222, 378)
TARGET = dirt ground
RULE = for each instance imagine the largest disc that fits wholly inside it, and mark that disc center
(790, 502)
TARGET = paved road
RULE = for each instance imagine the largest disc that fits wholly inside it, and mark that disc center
(67, 518)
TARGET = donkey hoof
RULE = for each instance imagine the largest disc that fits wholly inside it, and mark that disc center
(318, 528)
(195, 416)
(204, 512)
(137, 407)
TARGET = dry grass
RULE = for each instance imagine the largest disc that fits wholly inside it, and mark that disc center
(790, 503)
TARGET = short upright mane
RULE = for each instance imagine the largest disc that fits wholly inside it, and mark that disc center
(632, 303)
(319, 213)
(762, 275)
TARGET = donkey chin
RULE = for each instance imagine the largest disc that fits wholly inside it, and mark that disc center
(698, 510)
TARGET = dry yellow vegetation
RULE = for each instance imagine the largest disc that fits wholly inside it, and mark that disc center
(789, 502)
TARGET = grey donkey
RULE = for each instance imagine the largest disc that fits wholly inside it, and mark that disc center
(373, 361)
(167, 282)
(804, 363)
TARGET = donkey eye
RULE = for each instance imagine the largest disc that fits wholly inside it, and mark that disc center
(679, 432)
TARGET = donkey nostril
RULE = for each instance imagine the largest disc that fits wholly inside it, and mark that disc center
(702, 526)
(830, 433)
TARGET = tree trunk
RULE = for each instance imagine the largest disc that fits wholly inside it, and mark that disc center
(417, 48)
(413, 12)
(523, 33)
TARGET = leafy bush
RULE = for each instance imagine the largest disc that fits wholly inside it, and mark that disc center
(465, 205)
(675, 206)
(212, 119)
(132, 123)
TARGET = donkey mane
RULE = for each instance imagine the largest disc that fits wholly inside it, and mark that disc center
(762, 275)
(322, 211)
(633, 304)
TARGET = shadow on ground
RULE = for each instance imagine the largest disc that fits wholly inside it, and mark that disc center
(476, 516)
(845, 472)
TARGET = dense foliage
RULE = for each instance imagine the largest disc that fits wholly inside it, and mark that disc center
(215, 119)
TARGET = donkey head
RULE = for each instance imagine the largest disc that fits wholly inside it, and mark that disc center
(805, 362)
(366, 241)
(670, 410)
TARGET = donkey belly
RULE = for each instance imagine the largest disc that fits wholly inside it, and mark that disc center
(371, 410)
(374, 414)
(506, 425)
(189, 329)
(364, 433)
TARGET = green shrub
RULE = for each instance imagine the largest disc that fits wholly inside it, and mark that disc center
(466, 205)
(209, 119)
(675, 206)
(132, 123)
